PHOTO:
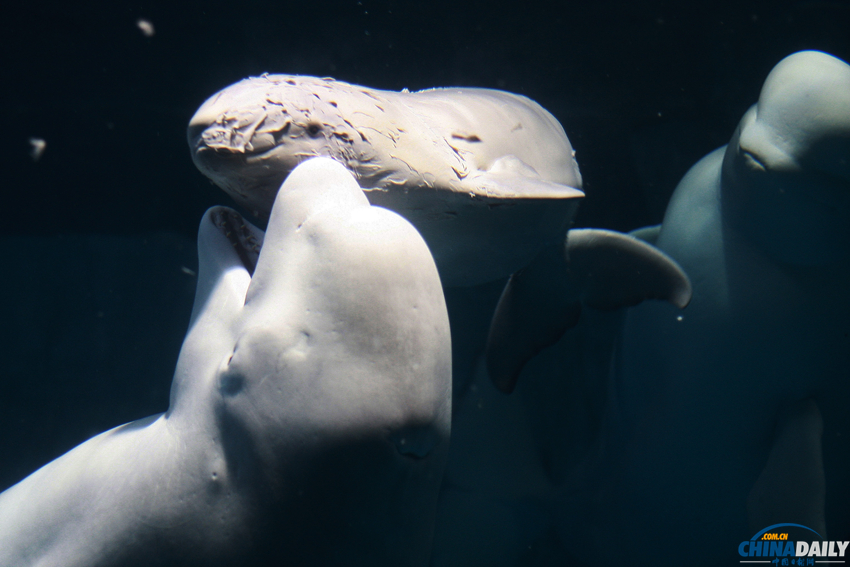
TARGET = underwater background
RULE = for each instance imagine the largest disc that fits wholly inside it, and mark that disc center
(97, 243)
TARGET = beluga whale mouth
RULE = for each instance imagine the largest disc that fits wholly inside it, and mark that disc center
(245, 238)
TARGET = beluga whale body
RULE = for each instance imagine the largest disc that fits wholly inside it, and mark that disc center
(489, 178)
(309, 414)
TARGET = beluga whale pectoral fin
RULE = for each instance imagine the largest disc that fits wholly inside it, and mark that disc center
(601, 269)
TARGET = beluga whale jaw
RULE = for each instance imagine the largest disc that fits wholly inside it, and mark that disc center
(487, 177)
(309, 414)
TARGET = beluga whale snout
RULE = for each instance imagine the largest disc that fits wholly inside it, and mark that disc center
(487, 177)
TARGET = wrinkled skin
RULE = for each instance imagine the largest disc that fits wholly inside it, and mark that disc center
(487, 177)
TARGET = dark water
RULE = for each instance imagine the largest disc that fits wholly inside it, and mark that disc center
(97, 243)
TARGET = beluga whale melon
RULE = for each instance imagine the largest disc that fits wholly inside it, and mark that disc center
(489, 178)
(309, 415)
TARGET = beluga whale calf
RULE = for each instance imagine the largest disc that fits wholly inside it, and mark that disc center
(489, 178)
(309, 415)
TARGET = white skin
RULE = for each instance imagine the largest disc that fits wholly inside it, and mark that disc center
(309, 413)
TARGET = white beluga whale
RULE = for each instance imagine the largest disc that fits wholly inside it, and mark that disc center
(489, 179)
(309, 414)
(731, 417)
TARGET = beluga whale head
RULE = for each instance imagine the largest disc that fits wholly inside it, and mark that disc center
(309, 414)
(249, 137)
(487, 177)
(786, 172)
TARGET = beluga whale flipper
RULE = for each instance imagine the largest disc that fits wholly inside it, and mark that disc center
(489, 179)
(604, 270)
(309, 414)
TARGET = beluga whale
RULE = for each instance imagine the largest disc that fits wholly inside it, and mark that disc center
(472, 169)
(309, 415)
(489, 178)
(755, 373)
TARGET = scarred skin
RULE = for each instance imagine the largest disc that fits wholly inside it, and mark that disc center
(488, 177)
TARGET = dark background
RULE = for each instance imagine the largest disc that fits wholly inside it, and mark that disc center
(643, 90)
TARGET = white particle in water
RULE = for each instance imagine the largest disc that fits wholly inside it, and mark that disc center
(38, 146)
(146, 27)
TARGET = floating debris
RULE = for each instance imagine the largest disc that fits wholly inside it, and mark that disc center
(146, 27)
(38, 146)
